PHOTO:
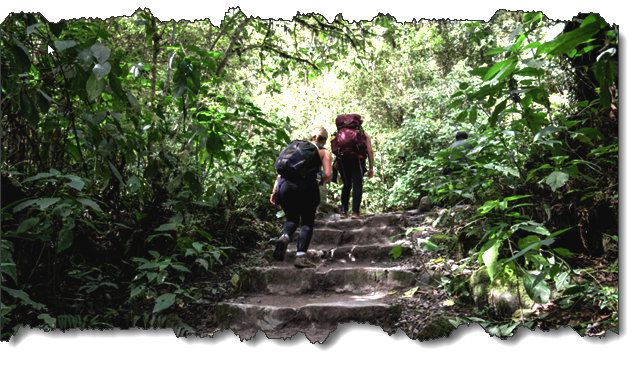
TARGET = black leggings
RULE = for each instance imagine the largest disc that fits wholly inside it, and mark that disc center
(351, 172)
(298, 200)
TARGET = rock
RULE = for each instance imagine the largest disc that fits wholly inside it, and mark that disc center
(325, 210)
(268, 255)
(323, 192)
(424, 205)
(501, 296)
(438, 328)
(465, 245)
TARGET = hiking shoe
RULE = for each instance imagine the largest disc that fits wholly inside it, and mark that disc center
(281, 248)
(357, 216)
(343, 215)
(303, 262)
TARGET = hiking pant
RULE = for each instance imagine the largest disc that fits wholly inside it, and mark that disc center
(352, 178)
(298, 201)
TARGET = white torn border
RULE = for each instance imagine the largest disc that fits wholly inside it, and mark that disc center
(350, 343)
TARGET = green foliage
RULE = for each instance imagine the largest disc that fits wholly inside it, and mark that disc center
(135, 137)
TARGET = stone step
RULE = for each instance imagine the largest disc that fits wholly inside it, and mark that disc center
(293, 281)
(354, 254)
(378, 220)
(316, 316)
(360, 236)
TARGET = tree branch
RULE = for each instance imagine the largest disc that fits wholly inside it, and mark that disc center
(288, 56)
(229, 52)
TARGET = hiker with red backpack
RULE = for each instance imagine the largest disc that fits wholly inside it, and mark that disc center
(297, 191)
(351, 146)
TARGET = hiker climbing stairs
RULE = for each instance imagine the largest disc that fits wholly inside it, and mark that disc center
(352, 280)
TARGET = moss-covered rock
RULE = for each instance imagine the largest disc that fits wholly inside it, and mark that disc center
(249, 280)
(395, 312)
(501, 296)
(438, 328)
(440, 238)
(268, 255)
(325, 210)
(226, 314)
(465, 245)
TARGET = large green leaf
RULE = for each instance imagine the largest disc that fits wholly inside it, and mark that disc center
(506, 71)
(23, 205)
(496, 51)
(62, 45)
(195, 185)
(214, 143)
(29, 110)
(101, 69)
(133, 183)
(524, 251)
(605, 73)
(591, 133)
(481, 71)
(115, 85)
(557, 179)
(23, 296)
(76, 183)
(546, 131)
(65, 240)
(164, 302)
(40, 175)
(151, 170)
(504, 169)
(9, 268)
(27, 224)
(95, 87)
(100, 52)
(85, 57)
(534, 229)
(167, 227)
(90, 203)
(133, 101)
(540, 292)
(43, 102)
(554, 31)
(46, 202)
(493, 71)
(523, 243)
(116, 172)
(490, 256)
(570, 40)
(427, 245)
(174, 183)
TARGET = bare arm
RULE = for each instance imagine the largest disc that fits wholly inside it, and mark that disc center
(371, 156)
(326, 163)
(272, 199)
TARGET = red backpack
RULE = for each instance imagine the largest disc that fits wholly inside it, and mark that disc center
(350, 140)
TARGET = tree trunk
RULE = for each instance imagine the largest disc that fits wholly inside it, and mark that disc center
(155, 53)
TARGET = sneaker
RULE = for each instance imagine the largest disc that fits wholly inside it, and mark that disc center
(343, 215)
(357, 216)
(281, 248)
(302, 262)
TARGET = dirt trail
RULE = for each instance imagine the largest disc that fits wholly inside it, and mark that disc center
(353, 281)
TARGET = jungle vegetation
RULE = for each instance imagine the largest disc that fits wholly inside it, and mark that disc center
(137, 154)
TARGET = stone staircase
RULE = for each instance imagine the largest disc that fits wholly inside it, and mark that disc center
(353, 281)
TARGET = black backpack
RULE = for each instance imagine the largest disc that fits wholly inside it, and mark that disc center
(297, 160)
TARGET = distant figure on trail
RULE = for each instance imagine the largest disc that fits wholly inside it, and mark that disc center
(459, 150)
(351, 145)
(297, 191)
